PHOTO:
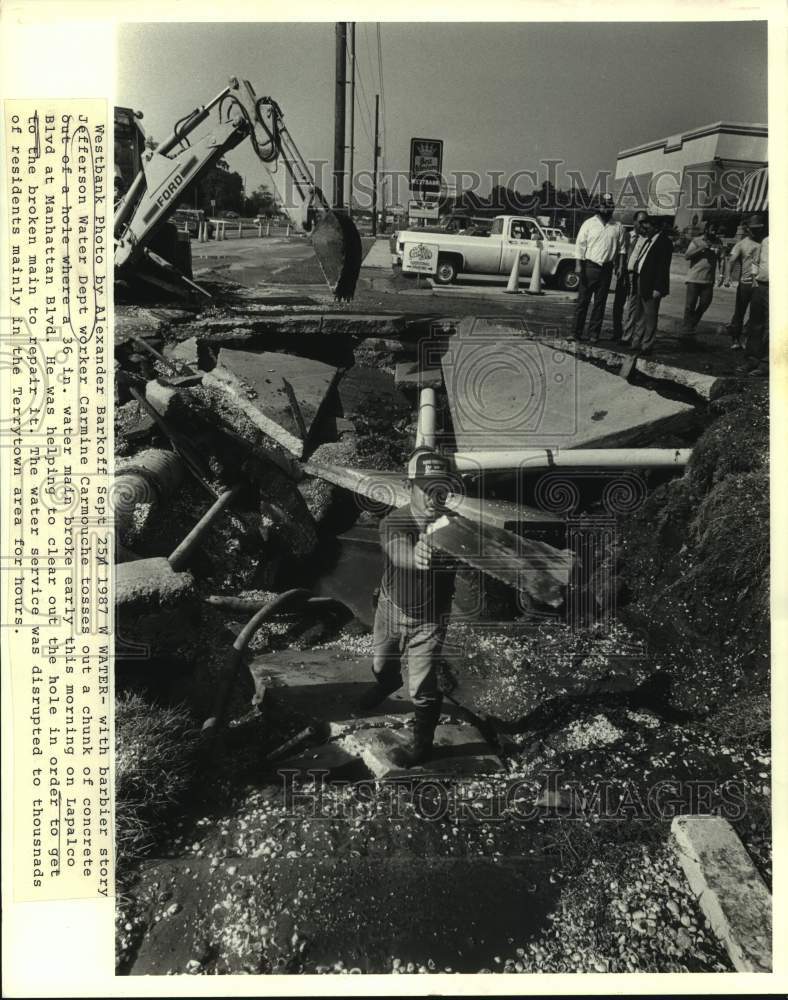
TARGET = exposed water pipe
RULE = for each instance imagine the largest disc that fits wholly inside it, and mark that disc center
(569, 458)
(425, 432)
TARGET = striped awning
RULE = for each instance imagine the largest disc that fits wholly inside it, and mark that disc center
(754, 192)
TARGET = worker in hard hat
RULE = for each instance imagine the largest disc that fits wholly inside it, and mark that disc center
(412, 612)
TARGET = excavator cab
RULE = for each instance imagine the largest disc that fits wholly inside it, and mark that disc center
(167, 173)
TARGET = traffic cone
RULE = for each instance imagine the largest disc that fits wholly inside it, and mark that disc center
(514, 277)
(535, 288)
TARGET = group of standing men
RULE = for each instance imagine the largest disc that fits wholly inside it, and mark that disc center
(639, 258)
(640, 261)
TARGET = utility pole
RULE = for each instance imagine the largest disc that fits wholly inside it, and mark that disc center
(352, 115)
(339, 114)
(375, 155)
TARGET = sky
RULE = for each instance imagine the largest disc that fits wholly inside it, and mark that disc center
(502, 96)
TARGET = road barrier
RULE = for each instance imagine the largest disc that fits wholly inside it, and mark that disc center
(514, 277)
(224, 229)
(535, 288)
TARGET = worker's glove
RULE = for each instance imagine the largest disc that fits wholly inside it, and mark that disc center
(422, 553)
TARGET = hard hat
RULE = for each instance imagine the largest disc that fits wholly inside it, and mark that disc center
(425, 463)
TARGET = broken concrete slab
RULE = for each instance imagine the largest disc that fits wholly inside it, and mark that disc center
(706, 387)
(527, 565)
(138, 321)
(364, 325)
(499, 513)
(186, 351)
(330, 761)
(360, 386)
(156, 609)
(166, 400)
(729, 890)
(510, 392)
(282, 394)
(324, 323)
(322, 684)
(459, 751)
(410, 375)
(390, 489)
(218, 328)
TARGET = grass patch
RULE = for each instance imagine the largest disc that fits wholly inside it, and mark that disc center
(155, 755)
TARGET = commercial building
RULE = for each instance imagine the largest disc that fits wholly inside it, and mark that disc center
(696, 175)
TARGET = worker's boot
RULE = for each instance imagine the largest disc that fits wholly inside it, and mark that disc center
(377, 692)
(425, 719)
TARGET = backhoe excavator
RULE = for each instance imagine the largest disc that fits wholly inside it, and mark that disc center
(166, 174)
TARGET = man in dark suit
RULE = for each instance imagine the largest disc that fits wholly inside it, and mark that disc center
(651, 282)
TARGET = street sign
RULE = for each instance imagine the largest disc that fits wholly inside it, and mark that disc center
(422, 209)
(426, 164)
(420, 258)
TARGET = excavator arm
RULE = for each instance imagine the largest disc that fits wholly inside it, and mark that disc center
(168, 172)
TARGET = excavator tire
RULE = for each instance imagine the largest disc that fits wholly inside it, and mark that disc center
(337, 246)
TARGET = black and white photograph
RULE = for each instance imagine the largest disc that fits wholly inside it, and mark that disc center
(442, 498)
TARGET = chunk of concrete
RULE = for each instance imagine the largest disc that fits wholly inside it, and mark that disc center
(187, 351)
(283, 394)
(322, 685)
(730, 891)
(156, 608)
(459, 751)
(330, 761)
(391, 489)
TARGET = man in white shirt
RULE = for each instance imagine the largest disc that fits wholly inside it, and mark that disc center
(597, 248)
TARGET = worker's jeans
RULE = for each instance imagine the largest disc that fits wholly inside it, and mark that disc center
(644, 322)
(698, 300)
(395, 635)
(743, 298)
(594, 283)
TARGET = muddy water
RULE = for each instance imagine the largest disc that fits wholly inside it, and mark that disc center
(352, 569)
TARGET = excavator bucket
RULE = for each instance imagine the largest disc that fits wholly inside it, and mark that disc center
(337, 246)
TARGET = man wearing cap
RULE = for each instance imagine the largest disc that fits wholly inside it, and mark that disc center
(415, 599)
(597, 249)
(746, 251)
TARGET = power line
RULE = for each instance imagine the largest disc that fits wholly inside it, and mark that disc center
(362, 91)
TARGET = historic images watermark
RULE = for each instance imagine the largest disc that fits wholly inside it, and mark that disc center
(544, 795)
(551, 185)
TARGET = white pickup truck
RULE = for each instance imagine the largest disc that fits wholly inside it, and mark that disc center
(445, 255)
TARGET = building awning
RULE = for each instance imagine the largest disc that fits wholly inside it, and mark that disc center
(754, 192)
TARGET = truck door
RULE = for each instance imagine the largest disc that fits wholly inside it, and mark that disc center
(523, 235)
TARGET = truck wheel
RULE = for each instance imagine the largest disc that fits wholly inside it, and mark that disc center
(448, 269)
(568, 279)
